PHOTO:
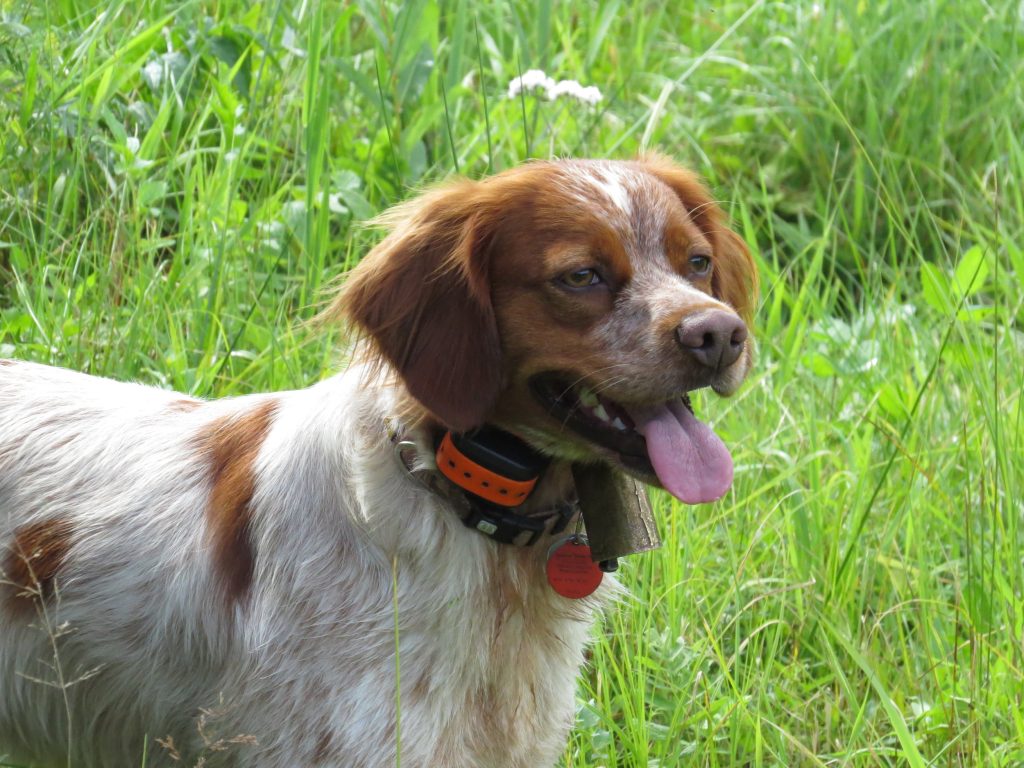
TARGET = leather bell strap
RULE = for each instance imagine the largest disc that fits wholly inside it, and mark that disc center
(616, 512)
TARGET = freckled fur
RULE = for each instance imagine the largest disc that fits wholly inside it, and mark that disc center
(33, 563)
(184, 405)
(146, 509)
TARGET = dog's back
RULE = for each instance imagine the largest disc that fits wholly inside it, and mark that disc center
(100, 518)
(223, 573)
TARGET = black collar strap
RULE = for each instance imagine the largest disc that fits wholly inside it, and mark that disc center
(506, 527)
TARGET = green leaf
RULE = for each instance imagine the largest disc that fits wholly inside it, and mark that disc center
(29, 94)
(346, 185)
(819, 365)
(935, 288)
(230, 50)
(1017, 260)
(894, 402)
(971, 272)
(151, 193)
(226, 49)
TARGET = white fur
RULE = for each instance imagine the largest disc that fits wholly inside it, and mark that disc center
(611, 182)
(487, 652)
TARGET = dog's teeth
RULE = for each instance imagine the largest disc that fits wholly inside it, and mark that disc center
(601, 413)
(619, 425)
(588, 398)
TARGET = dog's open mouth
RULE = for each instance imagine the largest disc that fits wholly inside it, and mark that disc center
(664, 440)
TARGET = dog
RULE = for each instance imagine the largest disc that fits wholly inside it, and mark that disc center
(289, 579)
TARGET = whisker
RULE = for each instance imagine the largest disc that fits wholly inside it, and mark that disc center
(582, 377)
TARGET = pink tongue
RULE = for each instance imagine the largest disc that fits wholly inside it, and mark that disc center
(690, 460)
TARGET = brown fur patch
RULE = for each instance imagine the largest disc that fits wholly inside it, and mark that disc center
(423, 296)
(421, 689)
(231, 445)
(324, 747)
(184, 405)
(35, 557)
(4, 361)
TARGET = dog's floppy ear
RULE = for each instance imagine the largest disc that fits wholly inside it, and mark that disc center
(734, 276)
(423, 296)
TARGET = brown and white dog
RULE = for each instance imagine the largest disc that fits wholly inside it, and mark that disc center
(263, 581)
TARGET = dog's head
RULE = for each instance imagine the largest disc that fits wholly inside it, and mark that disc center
(573, 303)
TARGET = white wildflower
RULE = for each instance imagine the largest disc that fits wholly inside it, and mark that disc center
(288, 40)
(270, 228)
(335, 204)
(589, 94)
(271, 233)
(239, 129)
(535, 79)
(530, 80)
(153, 73)
(133, 144)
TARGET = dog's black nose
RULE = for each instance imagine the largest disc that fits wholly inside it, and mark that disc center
(715, 338)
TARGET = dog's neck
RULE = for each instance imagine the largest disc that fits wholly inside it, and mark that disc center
(410, 423)
(550, 509)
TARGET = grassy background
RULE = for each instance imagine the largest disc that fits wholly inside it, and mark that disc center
(180, 183)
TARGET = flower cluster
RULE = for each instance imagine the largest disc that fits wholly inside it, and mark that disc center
(536, 80)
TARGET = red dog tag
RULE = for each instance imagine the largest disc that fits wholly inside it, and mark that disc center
(571, 572)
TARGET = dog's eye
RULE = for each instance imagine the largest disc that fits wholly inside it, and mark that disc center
(581, 278)
(700, 263)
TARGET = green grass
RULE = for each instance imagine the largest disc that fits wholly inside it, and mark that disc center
(180, 185)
